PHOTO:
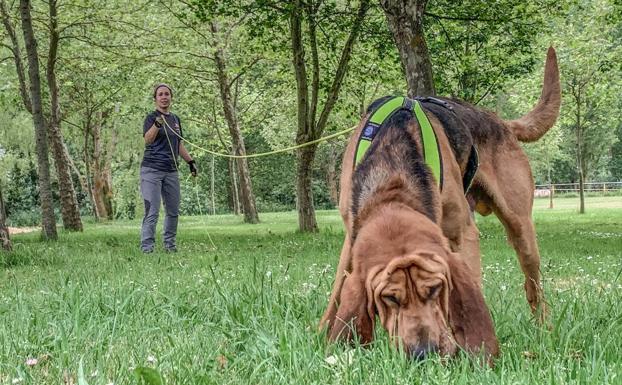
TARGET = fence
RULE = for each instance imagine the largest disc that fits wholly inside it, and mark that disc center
(604, 188)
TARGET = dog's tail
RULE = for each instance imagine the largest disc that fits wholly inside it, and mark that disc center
(538, 121)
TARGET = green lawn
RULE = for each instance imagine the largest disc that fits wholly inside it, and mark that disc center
(244, 309)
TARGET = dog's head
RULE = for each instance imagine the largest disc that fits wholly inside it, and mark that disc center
(422, 294)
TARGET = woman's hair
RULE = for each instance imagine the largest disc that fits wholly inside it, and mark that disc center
(160, 85)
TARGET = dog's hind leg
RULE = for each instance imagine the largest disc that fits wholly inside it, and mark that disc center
(522, 235)
(510, 193)
(343, 269)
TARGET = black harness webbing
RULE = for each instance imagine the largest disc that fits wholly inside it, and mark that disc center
(431, 150)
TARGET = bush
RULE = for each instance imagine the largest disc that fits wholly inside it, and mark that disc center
(25, 218)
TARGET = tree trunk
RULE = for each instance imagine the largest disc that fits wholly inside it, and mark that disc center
(304, 191)
(87, 164)
(580, 160)
(45, 192)
(308, 128)
(405, 20)
(246, 190)
(101, 189)
(4, 231)
(212, 182)
(17, 56)
(581, 192)
(235, 195)
(551, 188)
(70, 212)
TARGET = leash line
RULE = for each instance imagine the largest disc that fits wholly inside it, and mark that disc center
(322, 139)
(170, 145)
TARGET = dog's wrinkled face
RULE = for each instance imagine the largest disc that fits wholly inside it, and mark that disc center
(410, 296)
(424, 295)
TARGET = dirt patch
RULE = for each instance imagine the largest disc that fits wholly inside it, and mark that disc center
(20, 230)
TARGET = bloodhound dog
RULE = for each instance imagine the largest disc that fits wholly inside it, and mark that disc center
(411, 254)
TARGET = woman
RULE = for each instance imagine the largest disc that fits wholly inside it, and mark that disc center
(159, 178)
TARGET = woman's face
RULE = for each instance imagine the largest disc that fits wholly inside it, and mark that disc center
(163, 98)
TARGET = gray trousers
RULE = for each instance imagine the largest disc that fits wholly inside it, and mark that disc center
(157, 186)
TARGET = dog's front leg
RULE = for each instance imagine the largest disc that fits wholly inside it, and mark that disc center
(343, 269)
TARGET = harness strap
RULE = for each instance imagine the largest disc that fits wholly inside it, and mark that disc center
(431, 151)
(471, 169)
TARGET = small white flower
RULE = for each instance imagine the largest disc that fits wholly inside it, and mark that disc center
(32, 362)
(17, 380)
(151, 360)
(268, 273)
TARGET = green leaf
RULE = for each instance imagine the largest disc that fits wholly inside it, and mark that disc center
(149, 376)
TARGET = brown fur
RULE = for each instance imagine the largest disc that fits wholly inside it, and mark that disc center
(406, 237)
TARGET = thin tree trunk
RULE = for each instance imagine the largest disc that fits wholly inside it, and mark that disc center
(581, 180)
(107, 172)
(581, 192)
(580, 160)
(308, 128)
(405, 20)
(213, 196)
(235, 195)
(70, 212)
(17, 56)
(100, 187)
(551, 192)
(4, 231)
(304, 191)
(81, 178)
(45, 192)
(246, 190)
(87, 162)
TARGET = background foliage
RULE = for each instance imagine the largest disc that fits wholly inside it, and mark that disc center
(489, 54)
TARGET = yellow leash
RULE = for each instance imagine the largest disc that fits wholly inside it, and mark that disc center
(170, 145)
(325, 138)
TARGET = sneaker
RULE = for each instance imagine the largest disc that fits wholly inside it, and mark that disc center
(171, 249)
(147, 251)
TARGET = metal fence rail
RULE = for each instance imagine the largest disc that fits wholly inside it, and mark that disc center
(545, 190)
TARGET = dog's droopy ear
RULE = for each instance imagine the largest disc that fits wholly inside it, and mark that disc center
(352, 314)
(469, 316)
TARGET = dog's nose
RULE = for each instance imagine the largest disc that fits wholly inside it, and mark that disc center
(421, 352)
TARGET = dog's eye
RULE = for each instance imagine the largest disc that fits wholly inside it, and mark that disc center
(433, 291)
(391, 300)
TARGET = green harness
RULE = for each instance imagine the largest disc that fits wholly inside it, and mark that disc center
(431, 152)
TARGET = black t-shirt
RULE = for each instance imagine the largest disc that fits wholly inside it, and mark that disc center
(158, 154)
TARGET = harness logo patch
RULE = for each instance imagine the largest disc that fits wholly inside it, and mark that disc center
(370, 131)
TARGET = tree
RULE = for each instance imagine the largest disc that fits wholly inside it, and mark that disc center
(229, 110)
(615, 164)
(69, 205)
(4, 231)
(405, 20)
(310, 126)
(467, 49)
(45, 192)
(587, 56)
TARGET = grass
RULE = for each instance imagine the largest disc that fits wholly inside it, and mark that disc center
(91, 308)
